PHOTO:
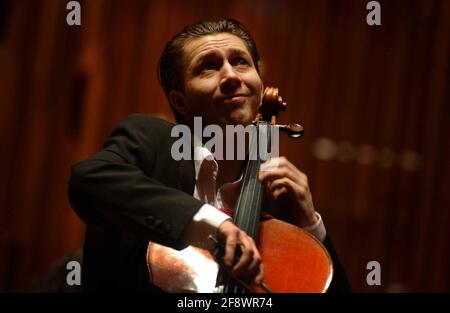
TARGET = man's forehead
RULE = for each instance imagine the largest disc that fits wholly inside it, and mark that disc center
(203, 45)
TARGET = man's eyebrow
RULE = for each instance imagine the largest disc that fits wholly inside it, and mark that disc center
(232, 51)
(204, 56)
(239, 51)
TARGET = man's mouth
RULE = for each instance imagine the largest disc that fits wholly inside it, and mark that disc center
(234, 99)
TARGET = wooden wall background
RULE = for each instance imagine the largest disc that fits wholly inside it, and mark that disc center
(374, 102)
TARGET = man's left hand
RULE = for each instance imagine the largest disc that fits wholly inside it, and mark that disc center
(281, 177)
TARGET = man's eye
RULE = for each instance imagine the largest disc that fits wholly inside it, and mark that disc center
(209, 66)
(242, 61)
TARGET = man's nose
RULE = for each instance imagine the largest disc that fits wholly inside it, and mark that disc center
(230, 79)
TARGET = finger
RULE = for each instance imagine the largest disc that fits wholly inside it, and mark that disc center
(300, 179)
(267, 185)
(253, 268)
(276, 162)
(260, 276)
(281, 182)
(242, 265)
(284, 184)
(284, 162)
(279, 191)
(280, 172)
(230, 246)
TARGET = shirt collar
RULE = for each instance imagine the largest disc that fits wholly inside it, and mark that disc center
(200, 154)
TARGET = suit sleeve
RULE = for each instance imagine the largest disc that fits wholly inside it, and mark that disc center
(115, 188)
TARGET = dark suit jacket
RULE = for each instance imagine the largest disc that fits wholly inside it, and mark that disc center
(133, 191)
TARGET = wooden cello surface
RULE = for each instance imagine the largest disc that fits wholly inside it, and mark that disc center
(294, 262)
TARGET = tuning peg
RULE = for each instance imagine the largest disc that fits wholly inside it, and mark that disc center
(294, 130)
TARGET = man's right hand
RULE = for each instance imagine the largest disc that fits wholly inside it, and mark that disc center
(250, 263)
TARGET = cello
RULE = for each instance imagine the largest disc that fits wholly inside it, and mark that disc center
(294, 260)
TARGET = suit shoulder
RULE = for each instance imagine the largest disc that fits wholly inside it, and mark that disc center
(145, 122)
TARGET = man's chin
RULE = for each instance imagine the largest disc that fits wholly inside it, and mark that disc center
(237, 121)
(240, 118)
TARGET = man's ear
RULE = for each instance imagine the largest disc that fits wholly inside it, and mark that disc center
(177, 102)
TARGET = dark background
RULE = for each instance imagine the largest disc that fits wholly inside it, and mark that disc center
(374, 101)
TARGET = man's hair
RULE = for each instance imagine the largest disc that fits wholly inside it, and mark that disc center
(170, 65)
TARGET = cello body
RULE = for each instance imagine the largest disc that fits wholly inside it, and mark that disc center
(294, 262)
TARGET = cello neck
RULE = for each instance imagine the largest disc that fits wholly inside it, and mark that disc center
(247, 211)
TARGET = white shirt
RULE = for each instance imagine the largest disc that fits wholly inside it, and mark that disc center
(208, 219)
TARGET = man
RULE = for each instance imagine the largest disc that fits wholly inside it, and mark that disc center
(133, 190)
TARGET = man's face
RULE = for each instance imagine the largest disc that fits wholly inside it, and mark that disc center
(221, 83)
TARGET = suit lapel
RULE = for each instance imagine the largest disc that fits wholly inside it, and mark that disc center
(186, 176)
